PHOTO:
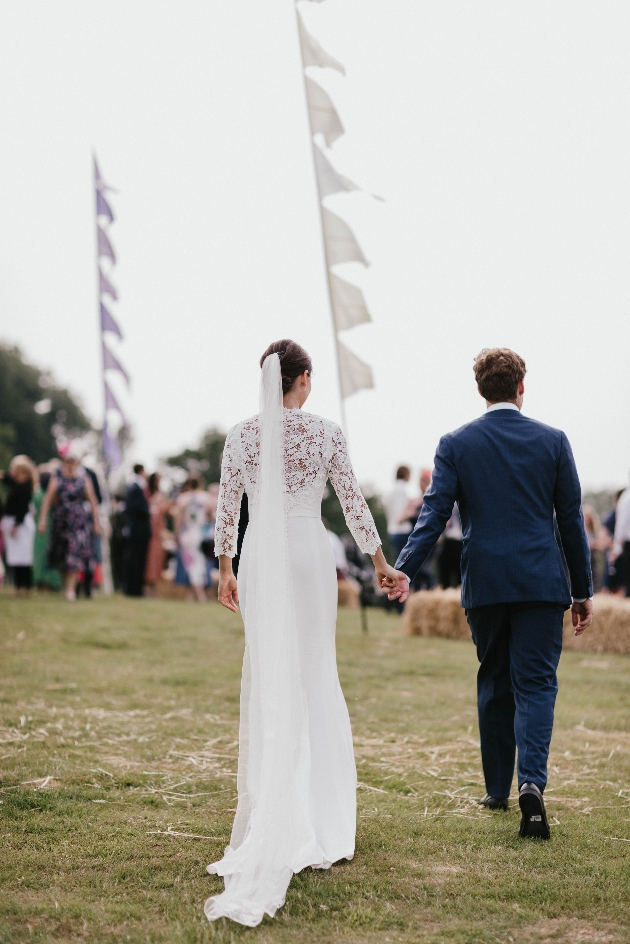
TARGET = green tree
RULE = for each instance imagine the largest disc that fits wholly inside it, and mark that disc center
(206, 459)
(22, 429)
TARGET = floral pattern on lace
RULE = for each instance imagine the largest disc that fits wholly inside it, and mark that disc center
(314, 450)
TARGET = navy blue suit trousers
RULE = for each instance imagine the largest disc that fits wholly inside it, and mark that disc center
(518, 647)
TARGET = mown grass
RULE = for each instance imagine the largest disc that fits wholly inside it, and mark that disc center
(118, 746)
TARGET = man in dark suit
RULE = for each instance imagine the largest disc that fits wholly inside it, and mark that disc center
(513, 479)
(139, 533)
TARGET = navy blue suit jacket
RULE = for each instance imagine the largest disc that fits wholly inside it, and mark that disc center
(508, 475)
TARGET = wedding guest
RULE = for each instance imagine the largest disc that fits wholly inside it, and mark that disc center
(158, 506)
(593, 530)
(138, 522)
(622, 535)
(44, 577)
(612, 578)
(208, 544)
(350, 587)
(18, 524)
(118, 539)
(425, 578)
(192, 523)
(91, 578)
(449, 562)
(74, 520)
(395, 503)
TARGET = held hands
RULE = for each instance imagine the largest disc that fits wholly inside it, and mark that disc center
(392, 582)
(399, 590)
(582, 616)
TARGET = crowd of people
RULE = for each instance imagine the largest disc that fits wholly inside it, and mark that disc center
(156, 537)
(52, 526)
(53, 523)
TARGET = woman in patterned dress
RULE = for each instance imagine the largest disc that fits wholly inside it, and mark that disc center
(74, 522)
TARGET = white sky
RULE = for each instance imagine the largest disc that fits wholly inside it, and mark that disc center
(497, 132)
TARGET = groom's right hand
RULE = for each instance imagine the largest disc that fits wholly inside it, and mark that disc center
(399, 590)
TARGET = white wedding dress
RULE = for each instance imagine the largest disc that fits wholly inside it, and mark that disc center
(296, 771)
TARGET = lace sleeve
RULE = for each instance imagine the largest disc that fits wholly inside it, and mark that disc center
(230, 494)
(355, 508)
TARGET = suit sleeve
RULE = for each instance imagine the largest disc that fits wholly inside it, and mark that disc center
(437, 508)
(568, 505)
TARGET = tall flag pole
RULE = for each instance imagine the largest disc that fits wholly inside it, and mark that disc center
(347, 304)
(106, 260)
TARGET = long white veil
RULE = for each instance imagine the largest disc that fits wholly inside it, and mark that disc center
(272, 835)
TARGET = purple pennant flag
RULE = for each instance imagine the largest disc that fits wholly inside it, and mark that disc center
(103, 208)
(111, 403)
(104, 245)
(111, 449)
(108, 322)
(106, 287)
(110, 363)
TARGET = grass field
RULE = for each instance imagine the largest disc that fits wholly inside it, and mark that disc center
(118, 746)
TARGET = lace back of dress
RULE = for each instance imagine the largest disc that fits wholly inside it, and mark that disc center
(272, 833)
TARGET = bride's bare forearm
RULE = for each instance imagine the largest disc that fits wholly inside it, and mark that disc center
(379, 559)
(225, 565)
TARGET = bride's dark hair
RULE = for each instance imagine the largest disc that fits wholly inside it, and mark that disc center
(293, 361)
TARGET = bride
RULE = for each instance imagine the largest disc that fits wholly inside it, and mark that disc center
(296, 770)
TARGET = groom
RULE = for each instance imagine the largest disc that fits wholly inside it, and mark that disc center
(509, 475)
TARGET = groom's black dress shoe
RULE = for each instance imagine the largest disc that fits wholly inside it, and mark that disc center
(534, 819)
(491, 803)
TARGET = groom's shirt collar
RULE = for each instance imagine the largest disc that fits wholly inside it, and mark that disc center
(502, 406)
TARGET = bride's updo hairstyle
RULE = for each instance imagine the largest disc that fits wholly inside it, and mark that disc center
(293, 361)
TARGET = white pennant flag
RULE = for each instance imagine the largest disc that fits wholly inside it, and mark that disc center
(328, 179)
(324, 117)
(341, 243)
(348, 304)
(313, 53)
(354, 373)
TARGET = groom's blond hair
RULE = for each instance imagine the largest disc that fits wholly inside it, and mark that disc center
(498, 372)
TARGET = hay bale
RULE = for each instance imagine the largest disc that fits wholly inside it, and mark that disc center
(609, 631)
(436, 613)
(347, 594)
